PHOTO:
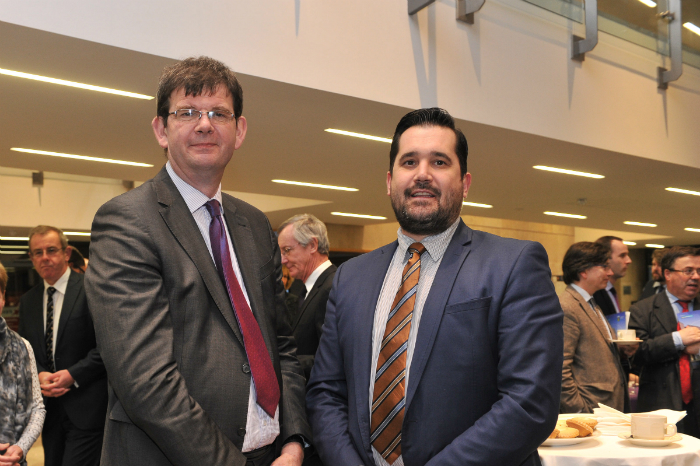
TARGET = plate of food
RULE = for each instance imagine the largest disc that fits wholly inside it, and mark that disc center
(572, 431)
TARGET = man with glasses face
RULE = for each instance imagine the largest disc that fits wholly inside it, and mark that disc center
(668, 356)
(592, 372)
(55, 319)
(191, 322)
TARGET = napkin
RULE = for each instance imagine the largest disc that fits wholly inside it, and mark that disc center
(613, 422)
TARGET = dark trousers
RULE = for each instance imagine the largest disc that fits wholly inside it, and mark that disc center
(262, 456)
(64, 443)
(689, 424)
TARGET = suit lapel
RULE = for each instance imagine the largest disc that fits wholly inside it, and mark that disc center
(663, 311)
(434, 307)
(314, 290)
(179, 220)
(69, 299)
(592, 315)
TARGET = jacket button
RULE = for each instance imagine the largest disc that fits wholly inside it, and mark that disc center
(246, 368)
(241, 431)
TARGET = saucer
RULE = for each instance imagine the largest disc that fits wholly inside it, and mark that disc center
(627, 342)
(560, 442)
(650, 443)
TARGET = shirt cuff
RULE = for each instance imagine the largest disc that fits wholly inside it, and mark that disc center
(678, 341)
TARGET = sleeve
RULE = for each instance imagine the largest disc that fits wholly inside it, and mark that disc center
(131, 312)
(36, 419)
(571, 400)
(652, 350)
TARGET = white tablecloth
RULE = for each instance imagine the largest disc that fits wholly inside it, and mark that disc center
(614, 451)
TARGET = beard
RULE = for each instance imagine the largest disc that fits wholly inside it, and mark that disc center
(426, 223)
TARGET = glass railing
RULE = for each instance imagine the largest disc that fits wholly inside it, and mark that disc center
(638, 21)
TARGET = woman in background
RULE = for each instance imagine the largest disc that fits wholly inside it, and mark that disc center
(21, 406)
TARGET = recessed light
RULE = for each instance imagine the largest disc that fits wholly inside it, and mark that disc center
(683, 191)
(476, 204)
(357, 135)
(692, 27)
(559, 214)
(14, 238)
(629, 243)
(567, 172)
(655, 246)
(80, 157)
(697, 230)
(63, 82)
(77, 233)
(640, 224)
(373, 217)
(648, 3)
(315, 185)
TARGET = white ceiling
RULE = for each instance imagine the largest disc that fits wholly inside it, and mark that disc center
(286, 140)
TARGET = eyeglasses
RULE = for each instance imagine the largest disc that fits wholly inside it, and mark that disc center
(688, 271)
(217, 117)
(50, 252)
(285, 251)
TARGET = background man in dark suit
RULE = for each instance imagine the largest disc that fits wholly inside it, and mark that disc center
(657, 283)
(54, 318)
(619, 261)
(592, 372)
(191, 321)
(464, 351)
(668, 355)
(304, 244)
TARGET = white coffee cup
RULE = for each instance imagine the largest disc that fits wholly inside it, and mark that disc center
(626, 335)
(651, 427)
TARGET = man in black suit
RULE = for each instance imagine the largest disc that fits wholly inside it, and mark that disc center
(668, 355)
(619, 261)
(303, 240)
(55, 319)
(657, 283)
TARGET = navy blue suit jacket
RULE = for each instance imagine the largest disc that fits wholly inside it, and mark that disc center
(485, 377)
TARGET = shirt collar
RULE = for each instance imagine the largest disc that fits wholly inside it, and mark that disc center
(61, 284)
(584, 294)
(193, 197)
(609, 286)
(311, 281)
(672, 299)
(435, 245)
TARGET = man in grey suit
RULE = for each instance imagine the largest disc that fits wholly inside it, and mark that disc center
(592, 372)
(190, 321)
(668, 355)
(304, 244)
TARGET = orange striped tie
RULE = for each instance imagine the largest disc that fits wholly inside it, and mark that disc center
(389, 387)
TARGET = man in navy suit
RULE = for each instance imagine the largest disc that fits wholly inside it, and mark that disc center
(481, 342)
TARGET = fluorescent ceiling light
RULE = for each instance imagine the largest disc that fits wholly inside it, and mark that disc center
(14, 238)
(692, 27)
(648, 3)
(567, 172)
(77, 233)
(10, 246)
(344, 214)
(63, 82)
(476, 204)
(314, 185)
(13, 252)
(357, 135)
(559, 214)
(655, 246)
(697, 230)
(80, 157)
(629, 243)
(683, 191)
(640, 224)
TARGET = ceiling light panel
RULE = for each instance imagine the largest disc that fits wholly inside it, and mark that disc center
(655, 246)
(14, 238)
(567, 172)
(63, 82)
(560, 214)
(648, 3)
(80, 157)
(358, 135)
(345, 214)
(683, 191)
(696, 230)
(315, 185)
(641, 224)
(629, 243)
(476, 204)
(692, 27)
(77, 233)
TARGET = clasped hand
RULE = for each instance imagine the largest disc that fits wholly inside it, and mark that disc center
(12, 456)
(55, 384)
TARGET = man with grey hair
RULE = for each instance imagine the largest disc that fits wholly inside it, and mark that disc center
(303, 241)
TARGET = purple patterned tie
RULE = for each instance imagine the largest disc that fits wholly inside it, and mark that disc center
(266, 386)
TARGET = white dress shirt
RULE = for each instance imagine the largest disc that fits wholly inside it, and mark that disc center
(311, 281)
(261, 429)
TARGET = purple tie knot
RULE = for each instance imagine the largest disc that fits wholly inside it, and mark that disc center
(213, 207)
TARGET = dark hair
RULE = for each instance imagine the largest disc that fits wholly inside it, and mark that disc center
(430, 117)
(197, 75)
(3, 280)
(607, 241)
(658, 255)
(676, 252)
(76, 259)
(581, 257)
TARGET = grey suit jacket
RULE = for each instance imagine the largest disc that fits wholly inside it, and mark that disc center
(179, 376)
(659, 381)
(591, 372)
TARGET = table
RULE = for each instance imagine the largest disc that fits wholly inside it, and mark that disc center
(614, 451)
